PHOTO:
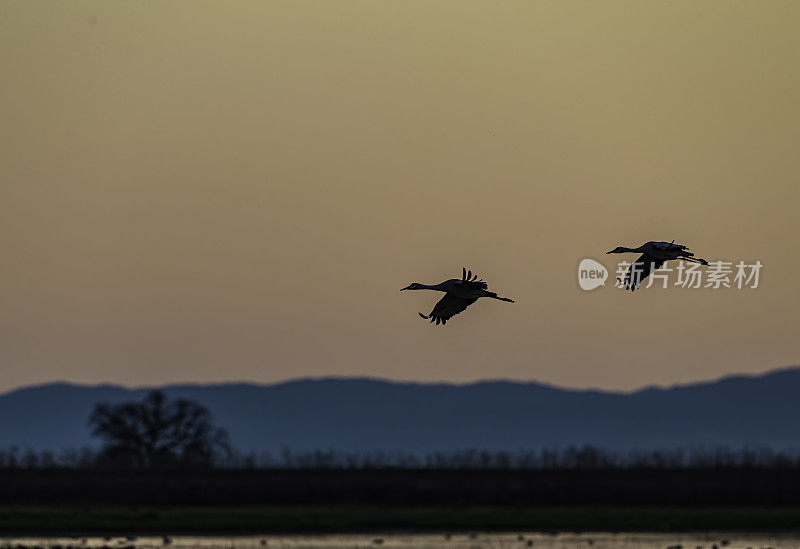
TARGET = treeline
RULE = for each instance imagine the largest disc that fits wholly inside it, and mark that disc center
(569, 458)
(158, 434)
(585, 457)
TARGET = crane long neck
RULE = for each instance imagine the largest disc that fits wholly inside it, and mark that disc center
(440, 287)
(636, 250)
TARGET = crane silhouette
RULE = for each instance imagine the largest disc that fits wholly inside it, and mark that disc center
(654, 255)
(459, 294)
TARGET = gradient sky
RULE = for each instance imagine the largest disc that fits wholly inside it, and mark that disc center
(214, 191)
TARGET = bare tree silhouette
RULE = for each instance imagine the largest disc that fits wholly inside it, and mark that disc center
(156, 433)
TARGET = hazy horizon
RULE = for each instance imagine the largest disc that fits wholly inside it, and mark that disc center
(200, 192)
(336, 377)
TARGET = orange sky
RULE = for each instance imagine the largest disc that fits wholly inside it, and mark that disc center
(212, 191)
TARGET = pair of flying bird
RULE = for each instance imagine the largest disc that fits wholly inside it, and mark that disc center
(461, 293)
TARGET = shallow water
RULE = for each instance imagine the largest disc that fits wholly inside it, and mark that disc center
(501, 540)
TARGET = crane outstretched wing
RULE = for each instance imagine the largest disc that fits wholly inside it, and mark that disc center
(447, 307)
(471, 281)
(639, 270)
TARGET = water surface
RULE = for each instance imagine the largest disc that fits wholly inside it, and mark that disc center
(502, 540)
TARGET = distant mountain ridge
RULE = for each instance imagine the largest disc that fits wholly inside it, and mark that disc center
(369, 414)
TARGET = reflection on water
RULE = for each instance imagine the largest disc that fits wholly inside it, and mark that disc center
(421, 541)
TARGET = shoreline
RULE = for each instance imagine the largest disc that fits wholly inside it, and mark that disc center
(79, 520)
